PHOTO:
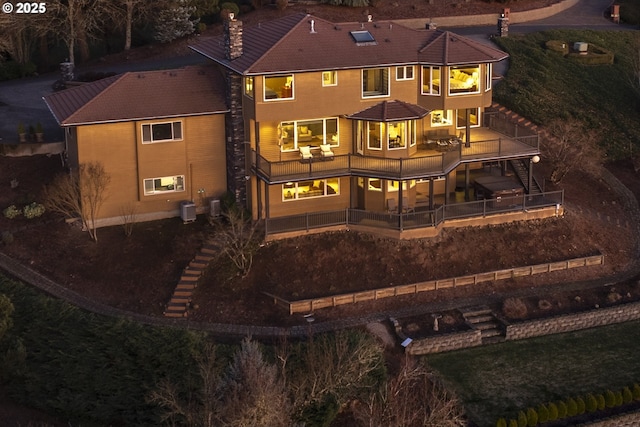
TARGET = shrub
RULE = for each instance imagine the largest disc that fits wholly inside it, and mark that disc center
(627, 396)
(522, 419)
(562, 410)
(609, 399)
(543, 413)
(282, 4)
(553, 411)
(619, 398)
(33, 210)
(501, 423)
(636, 391)
(581, 405)
(230, 7)
(602, 403)
(572, 407)
(514, 308)
(11, 212)
(591, 403)
(513, 423)
(532, 417)
(560, 46)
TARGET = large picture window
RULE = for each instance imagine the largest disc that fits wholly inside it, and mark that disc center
(375, 82)
(431, 80)
(464, 80)
(308, 132)
(310, 189)
(162, 185)
(161, 132)
(278, 87)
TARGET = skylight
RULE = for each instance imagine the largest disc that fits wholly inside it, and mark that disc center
(363, 37)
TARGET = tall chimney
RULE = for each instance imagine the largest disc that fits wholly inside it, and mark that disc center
(232, 38)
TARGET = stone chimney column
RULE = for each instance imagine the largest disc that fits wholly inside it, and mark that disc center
(232, 38)
(235, 144)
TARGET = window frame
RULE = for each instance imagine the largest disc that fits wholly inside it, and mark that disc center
(488, 76)
(294, 125)
(404, 69)
(447, 117)
(156, 141)
(464, 68)
(429, 82)
(290, 190)
(478, 112)
(292, 87)
(379, 131)
(177, 187)
(249, 86)
(333, 80)
(383, 92)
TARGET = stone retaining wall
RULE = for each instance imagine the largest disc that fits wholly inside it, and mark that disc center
(445, 342)
(573, 322)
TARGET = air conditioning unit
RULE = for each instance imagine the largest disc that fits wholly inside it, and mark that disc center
(215, 210)
(187, 211)
(581, 47)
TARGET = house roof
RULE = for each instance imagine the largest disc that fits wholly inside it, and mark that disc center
(302, 42)
(195, 90)
(389, 111)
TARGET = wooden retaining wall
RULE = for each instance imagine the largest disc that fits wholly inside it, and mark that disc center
(309, 305)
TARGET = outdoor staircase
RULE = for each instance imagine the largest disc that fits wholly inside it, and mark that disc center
(180, 302)
(521, 170)
(482, 318)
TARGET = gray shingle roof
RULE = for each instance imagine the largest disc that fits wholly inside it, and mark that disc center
(194, 90)
(388, 111)
(288, 44)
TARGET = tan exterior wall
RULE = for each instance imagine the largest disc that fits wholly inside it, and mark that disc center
(199, 156)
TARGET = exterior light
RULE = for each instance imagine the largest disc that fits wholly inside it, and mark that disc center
(535, 159)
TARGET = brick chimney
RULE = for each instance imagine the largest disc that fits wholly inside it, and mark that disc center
(232, 38)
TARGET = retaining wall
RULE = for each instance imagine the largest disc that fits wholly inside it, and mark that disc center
(445, 342)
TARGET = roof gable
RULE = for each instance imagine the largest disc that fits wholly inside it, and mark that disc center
(388, 111)
(187, 91)
(447, 48)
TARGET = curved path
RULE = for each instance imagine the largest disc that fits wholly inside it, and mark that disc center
(586, 14)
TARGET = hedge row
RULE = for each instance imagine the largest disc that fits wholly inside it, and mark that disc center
(572, 407)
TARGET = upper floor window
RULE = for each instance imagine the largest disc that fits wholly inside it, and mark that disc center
(160, 132)
(487, 81)
(464, 80)
(404, 73)
(329, 78)
(430, 80)
(248, 86)
(375, 82)
(165, 184)
(308, 132)
(278, 87)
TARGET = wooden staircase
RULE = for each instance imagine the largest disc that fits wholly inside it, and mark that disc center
(180, 302)
(482, 318)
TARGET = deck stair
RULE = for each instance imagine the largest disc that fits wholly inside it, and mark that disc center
(520, 168)
(481, 318)
(180, 302)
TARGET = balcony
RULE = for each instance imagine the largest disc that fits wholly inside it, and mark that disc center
(485, 145)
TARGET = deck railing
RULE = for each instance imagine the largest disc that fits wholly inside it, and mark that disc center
(415, 219)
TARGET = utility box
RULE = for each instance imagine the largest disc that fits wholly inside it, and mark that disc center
(215, 210)
(187, 211)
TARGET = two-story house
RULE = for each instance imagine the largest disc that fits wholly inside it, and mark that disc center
(357, 122)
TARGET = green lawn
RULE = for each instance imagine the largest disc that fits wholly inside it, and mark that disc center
(499, 380)
(543, 85)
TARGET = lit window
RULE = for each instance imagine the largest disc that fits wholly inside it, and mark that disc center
(396, 135)
(464, 80)
(165, 184)
(292, 135)
(375, 82)
(373, 136)
(489, 71)
(278, 87)
(394, 185)
(430, 80)
(404, 73)
(441, 118)
(161, 132)
(248, 86)
(375, 184)
(329, 78)
(474, 118)
(310, 189)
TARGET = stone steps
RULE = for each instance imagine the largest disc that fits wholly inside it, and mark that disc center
(482, 319)
(180, 302)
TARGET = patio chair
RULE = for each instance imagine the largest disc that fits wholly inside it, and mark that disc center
(406, 207)
(392, 206)
(325, 152)
(305, 153)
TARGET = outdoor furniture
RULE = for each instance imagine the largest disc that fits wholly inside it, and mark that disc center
(405, 205)
(325, 152)
(392, 206)
(305, 153)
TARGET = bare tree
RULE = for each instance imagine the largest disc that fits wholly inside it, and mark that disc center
(79, 193)
(19, 32)
(238, 235)
(568, 145)
(253, 394)
(410, 399)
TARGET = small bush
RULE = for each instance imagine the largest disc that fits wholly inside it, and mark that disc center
(11, 212)
(582, 407)
(560, 46)
(513, 423)
(591, 403)
(33, 210)
(619, 398)
(522, 419)
(514, 308)
(532, 417)
(609, 399)
(627, 396)
(543, 413)
(636, 391)
(230, 7)
(572, 407)
(501, 423)
(602, 403)
(562, 410)
(553, 411)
